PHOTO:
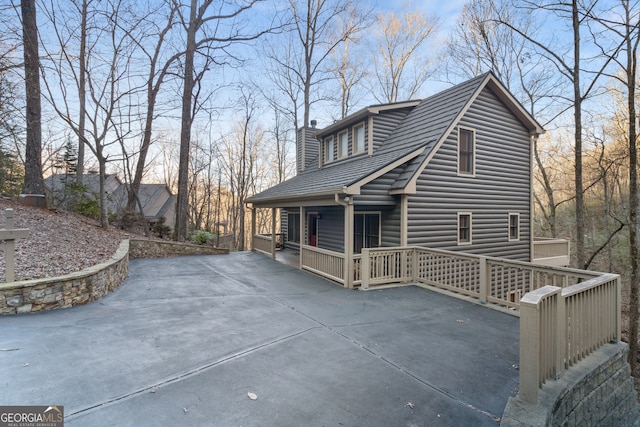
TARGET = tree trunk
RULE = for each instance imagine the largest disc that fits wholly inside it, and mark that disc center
(580, 208)
(82, 94)
(33, 182)
(634, 252)
(182, 206)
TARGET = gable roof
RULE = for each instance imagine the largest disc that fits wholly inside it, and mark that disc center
(412, 143)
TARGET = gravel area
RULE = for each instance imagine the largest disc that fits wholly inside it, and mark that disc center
(59, 242)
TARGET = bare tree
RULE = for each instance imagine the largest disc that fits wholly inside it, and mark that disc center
(33, 181)
(577, 14)
(625, 28)
(350, 73)
(399, 67)
(108, 84)
(218, 30)
(300, 65)
(157, 73)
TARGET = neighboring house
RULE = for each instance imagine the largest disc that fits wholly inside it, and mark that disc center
(156, 199)
(452, 171)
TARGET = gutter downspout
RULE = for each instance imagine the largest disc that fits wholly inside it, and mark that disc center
(348, 238)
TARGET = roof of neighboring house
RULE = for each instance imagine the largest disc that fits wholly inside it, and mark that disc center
(57, 181)
(149, 194)
(156, 199)
(411, 144)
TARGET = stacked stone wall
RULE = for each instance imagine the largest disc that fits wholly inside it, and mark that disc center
(91, 284)
(142, 248)
(598, 391)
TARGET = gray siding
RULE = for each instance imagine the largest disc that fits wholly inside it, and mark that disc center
(311, 148)
(377, 191)
(390, 226)
(385, 123)
(501, 186)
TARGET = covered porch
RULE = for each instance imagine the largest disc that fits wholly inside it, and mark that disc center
(320, 234)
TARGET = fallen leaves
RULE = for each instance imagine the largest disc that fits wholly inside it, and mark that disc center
(59, 243)
(252, 396)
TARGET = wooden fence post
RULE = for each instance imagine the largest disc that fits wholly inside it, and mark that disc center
(484, 279)
(365, 273)
(9, 235)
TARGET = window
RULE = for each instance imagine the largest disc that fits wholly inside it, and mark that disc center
(466, 151)
(293, 227)
(343, 144)
(464, 228)
(366, 231)
(358, 138)
(328, 149)
(514, 226)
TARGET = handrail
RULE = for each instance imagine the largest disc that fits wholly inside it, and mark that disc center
(559, 327)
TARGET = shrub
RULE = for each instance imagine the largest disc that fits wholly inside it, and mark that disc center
(202, 237)
(160, 229)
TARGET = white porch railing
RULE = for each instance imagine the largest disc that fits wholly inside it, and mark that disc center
(549, 251)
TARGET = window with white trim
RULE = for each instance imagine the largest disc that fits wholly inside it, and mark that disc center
(514, 227)
(358, 138)
(343, 144)
(466, 152)
(464, 228)
(328, 149)
(366, 230)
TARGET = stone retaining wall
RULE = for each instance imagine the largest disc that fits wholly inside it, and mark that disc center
(597, 391)
(143, 248)
(90, 284)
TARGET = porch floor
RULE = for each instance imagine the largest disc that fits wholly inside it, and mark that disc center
(184, 341)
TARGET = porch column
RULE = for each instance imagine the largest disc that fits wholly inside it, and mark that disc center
(348, 244)
(273, 233)
(404, 219)
(253, 226)
(303, 221)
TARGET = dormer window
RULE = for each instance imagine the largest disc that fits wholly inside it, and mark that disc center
(328, 149)
(343, 144)
(358, 138)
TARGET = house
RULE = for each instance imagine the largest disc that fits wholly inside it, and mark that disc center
(156, 199)
(452, 171)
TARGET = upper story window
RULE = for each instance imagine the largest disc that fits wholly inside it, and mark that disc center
(328, 149)
(343, 144)
(358, 138)
(466, 152)
(464, 228)
(514, 226)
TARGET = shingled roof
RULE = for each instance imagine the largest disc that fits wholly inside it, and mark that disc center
(419, 134)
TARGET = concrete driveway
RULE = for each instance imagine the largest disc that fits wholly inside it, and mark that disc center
(185, 340)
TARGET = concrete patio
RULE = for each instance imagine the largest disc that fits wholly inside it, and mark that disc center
(184, 340)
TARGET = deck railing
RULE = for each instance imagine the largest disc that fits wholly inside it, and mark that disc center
(489, 279)
(559, 327)
(262, 242)
(326, 263)
(565, 314)
(549, 251)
